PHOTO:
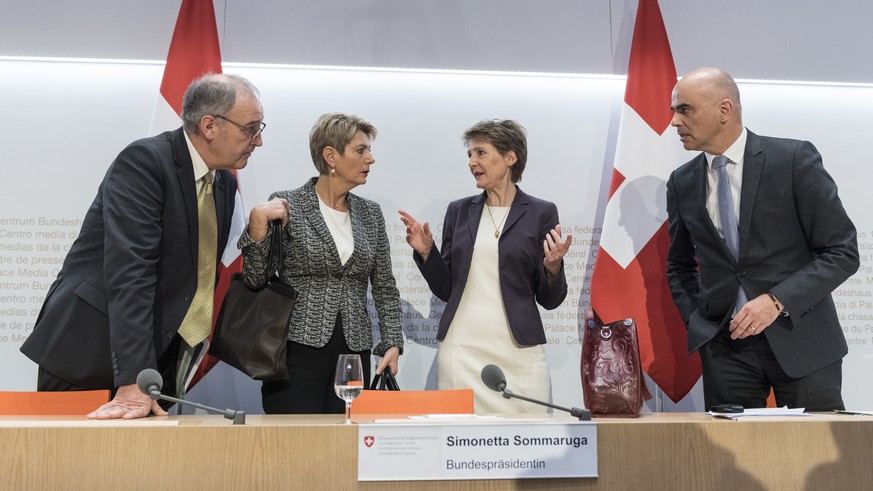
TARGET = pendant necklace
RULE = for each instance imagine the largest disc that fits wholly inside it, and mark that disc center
(496, 226)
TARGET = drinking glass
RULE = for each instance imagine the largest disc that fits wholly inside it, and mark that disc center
(348, 381)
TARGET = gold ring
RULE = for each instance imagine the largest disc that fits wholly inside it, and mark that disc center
(754, 330)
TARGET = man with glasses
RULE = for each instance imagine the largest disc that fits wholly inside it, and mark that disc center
(136, 289)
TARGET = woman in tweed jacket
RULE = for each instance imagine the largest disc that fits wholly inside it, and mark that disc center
(334, 246)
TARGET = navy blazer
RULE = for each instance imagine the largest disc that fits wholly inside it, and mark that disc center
(131, 274)
(523, 281)
(796, 241)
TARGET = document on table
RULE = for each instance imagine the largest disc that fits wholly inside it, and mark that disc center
(859, 413)
(762, 412)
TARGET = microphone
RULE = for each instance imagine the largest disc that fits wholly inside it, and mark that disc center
(150, 382)
(494, 378)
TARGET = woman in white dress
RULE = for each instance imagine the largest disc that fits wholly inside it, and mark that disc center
(502, 254)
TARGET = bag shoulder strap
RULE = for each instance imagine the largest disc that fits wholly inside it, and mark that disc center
(274, 257)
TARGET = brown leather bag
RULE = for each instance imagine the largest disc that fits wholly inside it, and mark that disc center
(612, 377)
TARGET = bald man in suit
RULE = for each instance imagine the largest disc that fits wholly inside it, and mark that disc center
(762, 317)
(131, 275)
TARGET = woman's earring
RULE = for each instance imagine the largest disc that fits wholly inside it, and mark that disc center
(333, 171)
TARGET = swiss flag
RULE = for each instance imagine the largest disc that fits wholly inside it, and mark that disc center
(194, 51)
(629, 278)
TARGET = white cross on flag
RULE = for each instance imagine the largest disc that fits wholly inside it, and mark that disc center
(629, 277)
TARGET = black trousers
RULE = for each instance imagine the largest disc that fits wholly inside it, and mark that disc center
(309, 388)
(743, 371)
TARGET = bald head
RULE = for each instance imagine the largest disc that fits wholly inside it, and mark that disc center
(715, 84)
(706, 110)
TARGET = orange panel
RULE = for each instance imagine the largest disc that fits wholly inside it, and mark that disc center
(458, 401)
(52, 403)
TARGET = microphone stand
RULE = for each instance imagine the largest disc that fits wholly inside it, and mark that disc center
(582, 414)
(238, 417)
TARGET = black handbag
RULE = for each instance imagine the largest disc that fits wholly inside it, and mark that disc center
(384, 381)
(251, 333)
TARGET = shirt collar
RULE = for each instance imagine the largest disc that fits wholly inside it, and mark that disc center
(735, 152)
(200, 168)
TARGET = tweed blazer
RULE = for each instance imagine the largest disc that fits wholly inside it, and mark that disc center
(311, 264)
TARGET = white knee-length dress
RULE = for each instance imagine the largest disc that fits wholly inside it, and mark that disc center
(479, 335)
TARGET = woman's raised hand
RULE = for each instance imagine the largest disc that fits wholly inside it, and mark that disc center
(261, 215)
(554, 247)
(417, 234)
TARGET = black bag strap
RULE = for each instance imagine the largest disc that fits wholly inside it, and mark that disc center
(274, 256)
(374, 385)
(390, 381)
(384, 381)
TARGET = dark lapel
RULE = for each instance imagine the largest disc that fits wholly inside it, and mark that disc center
(474, 214)
(516, 211)
(185, 174)
(698, 185)
(218, 193)
(753, 164)
(697, 188)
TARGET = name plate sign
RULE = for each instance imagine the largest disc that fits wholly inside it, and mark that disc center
(499, 450)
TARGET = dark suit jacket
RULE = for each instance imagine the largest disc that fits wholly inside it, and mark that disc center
(523, 281)
(796, 241)
(311, 264)
(131, 274)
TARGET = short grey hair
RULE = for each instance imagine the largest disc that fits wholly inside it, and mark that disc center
(506, 135)
(335, 130)
(212, 94)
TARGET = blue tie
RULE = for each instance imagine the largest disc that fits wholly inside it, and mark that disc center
(728, 217)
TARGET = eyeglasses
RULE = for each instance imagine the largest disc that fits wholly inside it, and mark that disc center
(253, 133)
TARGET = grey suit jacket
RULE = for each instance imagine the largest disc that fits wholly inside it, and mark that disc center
(311, 264)
(796, 241)
(131, 274)
(523, 281)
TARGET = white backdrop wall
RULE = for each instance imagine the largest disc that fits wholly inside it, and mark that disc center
(775, 39)
(66, 121)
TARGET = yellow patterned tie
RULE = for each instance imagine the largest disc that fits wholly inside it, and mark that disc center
(198, 321)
